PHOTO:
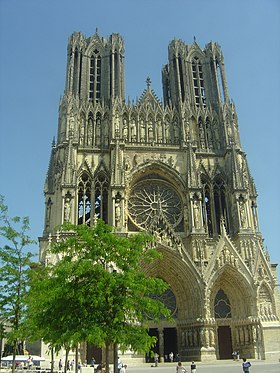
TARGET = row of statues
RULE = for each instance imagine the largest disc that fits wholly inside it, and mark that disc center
(161, 130)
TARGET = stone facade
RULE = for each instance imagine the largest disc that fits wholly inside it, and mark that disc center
(178, 170)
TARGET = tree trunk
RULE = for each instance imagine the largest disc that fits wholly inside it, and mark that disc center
(115, 358)
(107, 357)
(76, 358)
(14, 356)
(52, 361)
(66, 359)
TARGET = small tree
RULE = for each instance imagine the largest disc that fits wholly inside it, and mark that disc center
(97, 291)
(15, 262)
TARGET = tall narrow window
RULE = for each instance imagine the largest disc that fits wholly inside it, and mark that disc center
(95, 76)
(220, 82)
(206, 207)
(84, 199)
(76, 72)
(220, 203)
(198, 83)
(101, 197)
(181, 78)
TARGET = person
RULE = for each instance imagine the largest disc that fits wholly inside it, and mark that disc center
(246, 365)
(120, 364)
(72, 364)
(60, 364)
(156, 359)
(171, 356)
(180, 368)
(30, 362)
(193, 367)
(123, 369)
(92, 362)
(99, 368)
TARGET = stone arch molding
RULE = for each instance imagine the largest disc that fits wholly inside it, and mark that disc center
(227, 271)
(183, 278)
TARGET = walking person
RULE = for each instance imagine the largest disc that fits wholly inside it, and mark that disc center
(193, 367)
(246, 365)
(60, 364)
(171, 355)
(180, 368)
(120, 364)
(123, 369)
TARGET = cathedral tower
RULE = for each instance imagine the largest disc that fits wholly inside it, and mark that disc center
(176, 169)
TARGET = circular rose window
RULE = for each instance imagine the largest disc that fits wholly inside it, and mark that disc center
(150, 199)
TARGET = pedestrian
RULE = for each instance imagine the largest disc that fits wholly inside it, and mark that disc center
(123, 369)
(120, 364)
(72, 364)
(99, 368)
(193, 367)
(60, 364)
(30, 362)
(171, 356)
(92, 362)
(180, 368)
(68, 365)
(246, 365)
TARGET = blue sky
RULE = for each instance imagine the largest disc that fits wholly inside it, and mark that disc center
(33, 40)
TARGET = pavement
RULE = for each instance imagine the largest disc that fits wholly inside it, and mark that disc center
(220, 366)
(228, 366)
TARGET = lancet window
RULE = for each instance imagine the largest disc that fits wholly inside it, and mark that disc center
(206, 207)
(84, 199)
(95, 76)
(101, 197)
(219, 202)
(198, 82)
(92, 198)
(214, 207)
(182, 86)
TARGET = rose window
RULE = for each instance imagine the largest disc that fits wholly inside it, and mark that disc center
(153, 199)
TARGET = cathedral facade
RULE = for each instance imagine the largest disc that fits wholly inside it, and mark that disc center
(176, 169)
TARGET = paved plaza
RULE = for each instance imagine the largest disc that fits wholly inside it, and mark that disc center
(218, 367)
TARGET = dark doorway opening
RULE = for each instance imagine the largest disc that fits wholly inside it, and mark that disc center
(94, 352)
(153, 332)
(170, 344)
(225, 342)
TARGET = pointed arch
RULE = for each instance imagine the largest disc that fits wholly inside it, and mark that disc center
(265, 304)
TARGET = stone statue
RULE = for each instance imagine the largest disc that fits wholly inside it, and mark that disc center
(67, 209)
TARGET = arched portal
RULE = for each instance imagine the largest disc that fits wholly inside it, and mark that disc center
(180, 336)
(231, 307)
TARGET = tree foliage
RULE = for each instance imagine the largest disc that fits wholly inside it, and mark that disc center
(15, 262)
(97, 291)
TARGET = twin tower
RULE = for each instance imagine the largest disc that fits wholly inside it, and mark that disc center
(176, 169)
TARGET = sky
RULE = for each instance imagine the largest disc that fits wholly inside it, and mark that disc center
(33, 42)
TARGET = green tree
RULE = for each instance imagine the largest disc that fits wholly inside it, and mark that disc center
(15, 262)
(97, 292)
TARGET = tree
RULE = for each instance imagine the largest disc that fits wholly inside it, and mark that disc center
(15, 262)
(97, 292)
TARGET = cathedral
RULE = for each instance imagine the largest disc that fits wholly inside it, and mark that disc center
(174, 168)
